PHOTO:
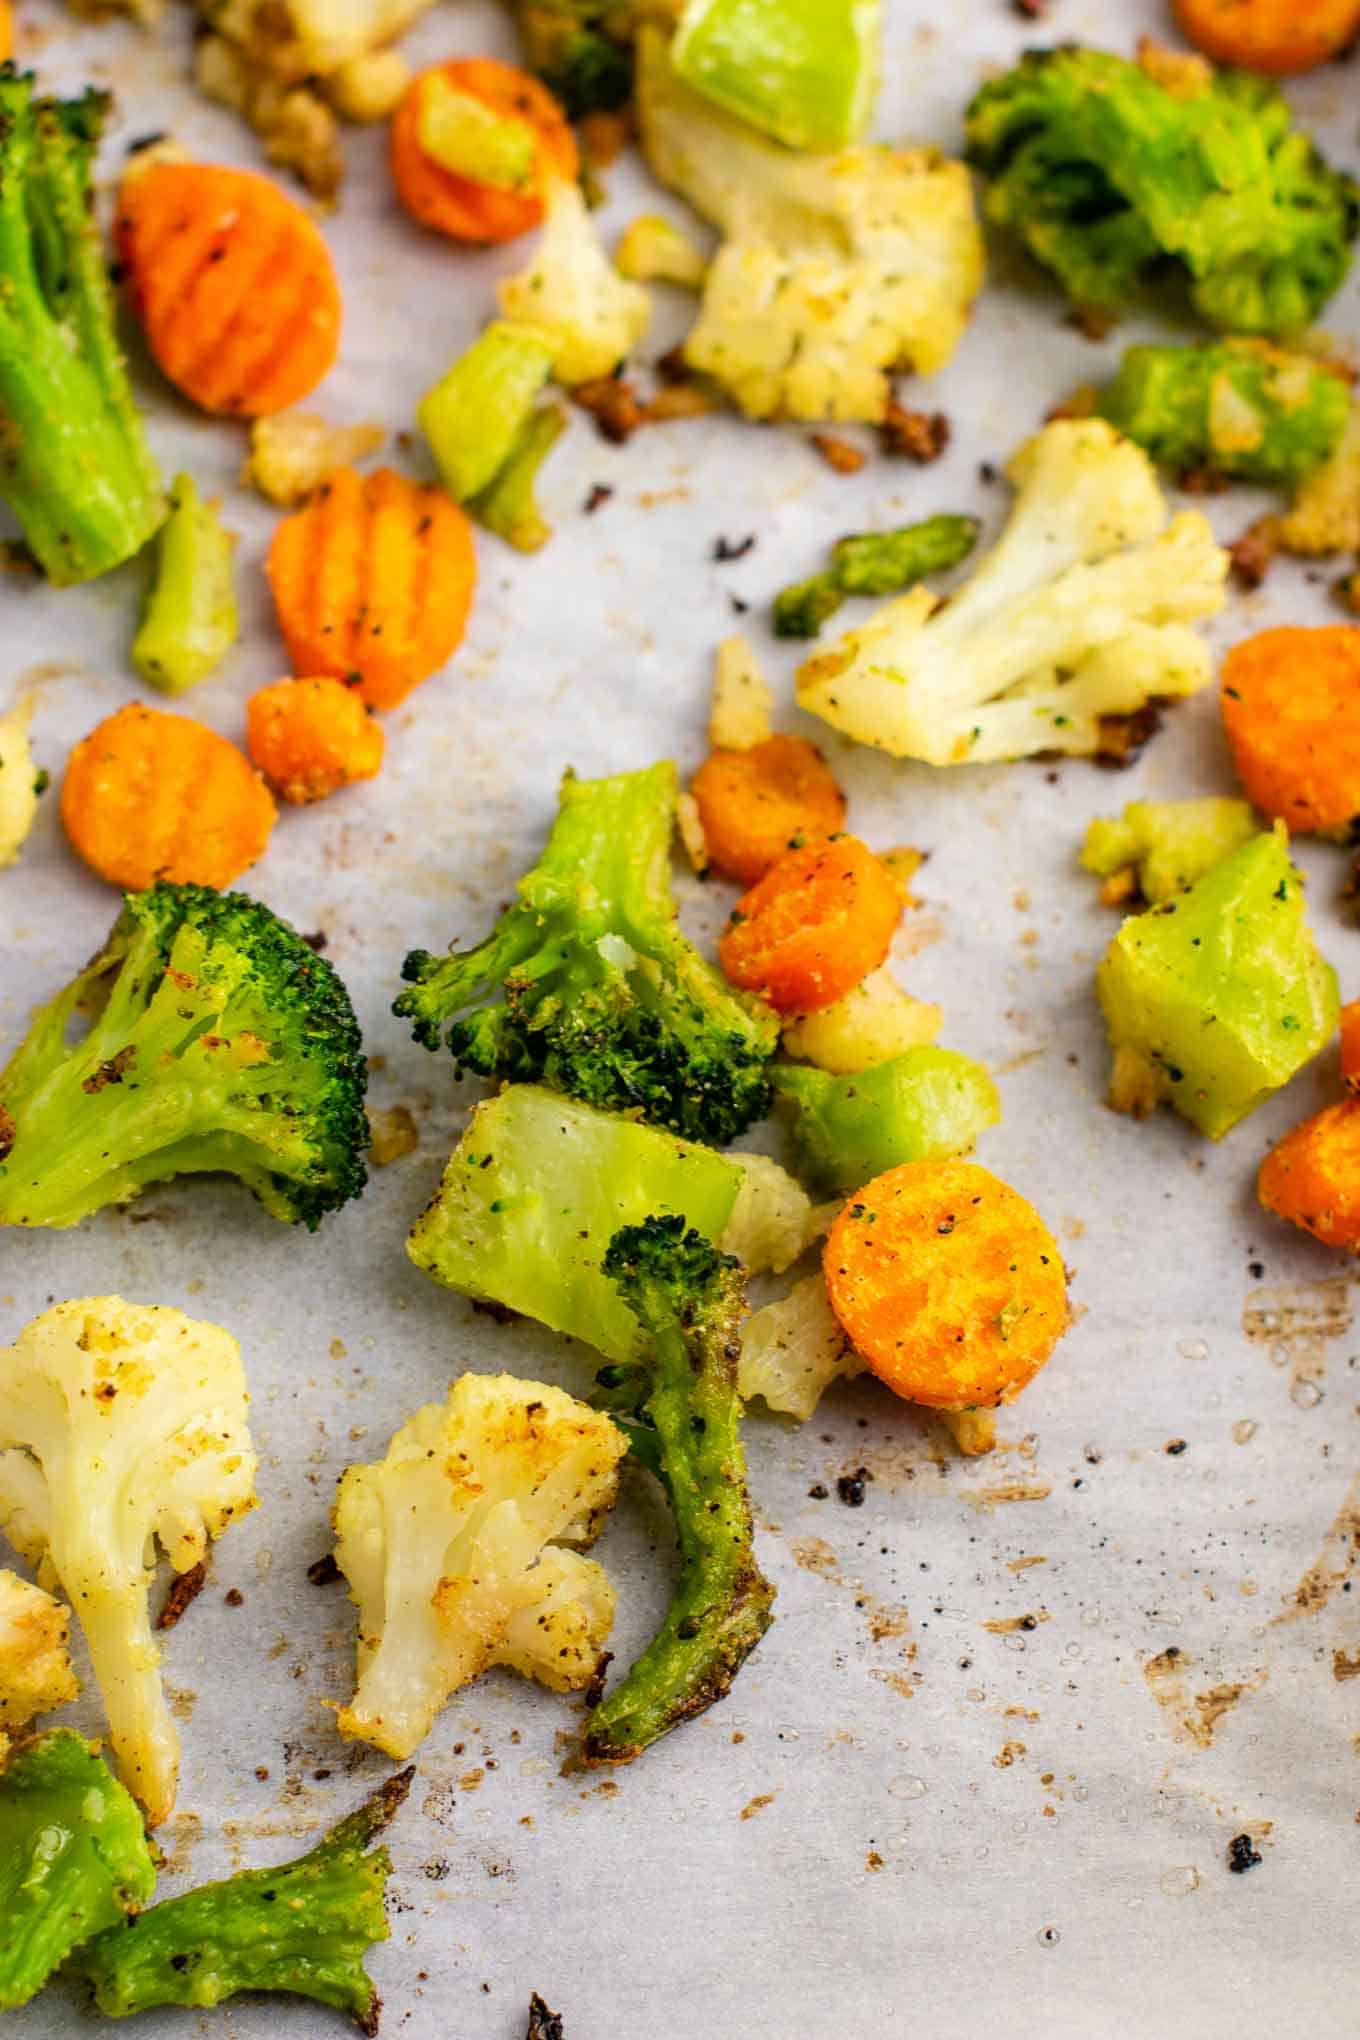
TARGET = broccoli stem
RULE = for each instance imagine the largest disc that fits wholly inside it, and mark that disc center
(507, 505)
(74, 463)
(474, 414)
(189, 623)
(873, 563)
(681, 1409)
(303, 1927)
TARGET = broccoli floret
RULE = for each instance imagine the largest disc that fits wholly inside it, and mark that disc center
(1103, 171)
(1165, 845)
(217, 1040)
(587, 985)
(583, 51)
(73, 1858)
(924, 1105)
(1239, 407)
(302, 1927)
(680, 1406)
(190, 620)
(75, 467)
(874, 563)
(1079, 612)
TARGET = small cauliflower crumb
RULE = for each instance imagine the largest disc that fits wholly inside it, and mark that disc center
(690, 826)
(742, 699)
(791, 1351)
(391, 1134)
(18, 781)
(653, 250)
(875, 1022)
(292, 452)
(367, 88)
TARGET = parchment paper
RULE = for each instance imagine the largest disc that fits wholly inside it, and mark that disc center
(913, 1816)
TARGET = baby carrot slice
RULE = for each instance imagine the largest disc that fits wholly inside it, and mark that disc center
(814, 926)
(1312, 1176)
(1278, 36)
(455, 205)
(1291, 709)
(233, 285)
(311, 737)
(373, 580)
(947, 1283)
(151, 795)
(1350, 1045)
(753, 803)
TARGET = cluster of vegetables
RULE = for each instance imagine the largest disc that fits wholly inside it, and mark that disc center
(597, 1190)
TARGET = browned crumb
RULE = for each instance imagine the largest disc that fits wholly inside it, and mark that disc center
(1203, 481)
(1007, 1755)
(185, 1589)
(1348, 593)
(1345, 1666)
(234, 1598)
(757, 1805)
(1122, 737)
(1251, 555)
(873, 1861)
(1080, 404)
(1179, 72)
(1091, 322)
(921, 436)
(324, 1572)
(1120, 887)
(613, 404)
(678, 400)
(604, 137)
(839, 454)
(391, 1134)
(543, 2024)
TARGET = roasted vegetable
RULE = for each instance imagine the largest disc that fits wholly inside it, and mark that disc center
(804, 73)
(189, 622)
(18, 781)
(1291, 711)
(922, 1106)
(572, 295)
(35, 1665)
(1165, 845)
(873, 563)
(1239, 408)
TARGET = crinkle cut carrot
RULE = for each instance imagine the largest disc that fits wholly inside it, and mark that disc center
(814, 926)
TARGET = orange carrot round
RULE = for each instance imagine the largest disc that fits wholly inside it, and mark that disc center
(947, 1283)
(1350, 1045)
(814, 926)
(1312, 1177)
(454, 205)
(311, 737)
(1291, 709)
(232, 283)
(151, 795)
(752, 804)
(1278, 36)
(373, 580)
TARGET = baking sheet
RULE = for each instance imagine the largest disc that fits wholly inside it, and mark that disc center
(912, 1815)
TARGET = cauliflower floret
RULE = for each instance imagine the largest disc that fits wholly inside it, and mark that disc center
(35, 1666)
(652, 249)
(572, 294)
(773, 1221)
(739, 718)
(1325, 517)
(18, 781)
(1079, 612)
(299, 131)
(292, 40)
(450, 1548)
(292, 452)
(121, 1423)
(835, 270)
(872, 1024)
(791, 1351)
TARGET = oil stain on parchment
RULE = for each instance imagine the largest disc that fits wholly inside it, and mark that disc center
(1193, 1718)
(886, 1621)
(1296, 1322)
(1334, 1564)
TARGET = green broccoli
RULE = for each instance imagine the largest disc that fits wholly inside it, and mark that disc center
(75, 467)
(189, 622)
(1165, 845)
(73, 1858)
(873, 563)
(1103, 171)
(217, 1040)
(508, 504)
(1241, 408)
(486, 436)
(680, 1408)
(587, 985)
(582, 50)
(301, 1927)
(920, 1106)
(1217, 997)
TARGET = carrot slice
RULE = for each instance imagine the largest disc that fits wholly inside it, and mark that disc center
(373, 578)
(947, 1283)
(1291, 709)
(1312, 1176)
(1278, 36)
(814, 926)
(311, 737)
(753, 803)
(454, 205)
(233, 284)
(1350, 1045)
(151, 795)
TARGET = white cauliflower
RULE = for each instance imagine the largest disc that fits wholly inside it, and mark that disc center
(573, 296)
(872, 1024)
(296, 40)
(292, 452)
(792, 1350)
(739, 718)
(834, 272)
(773, 1221)
(35, 1665)
(120, 1424)
(1079, 612)
(451, 1546)
(18, 781)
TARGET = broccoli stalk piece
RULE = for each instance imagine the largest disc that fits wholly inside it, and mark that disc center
(218, 1041)
(921, 1106)
(1241, 408)
(679, 1405)
(508, 505)
(587, 985)
(75, 467)
(873, 563)
(486, 436)
(73, 1858)
(1103, 171)
(189, 623)
(302, 1927)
